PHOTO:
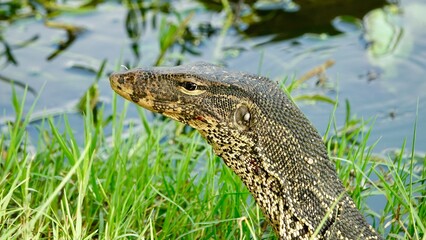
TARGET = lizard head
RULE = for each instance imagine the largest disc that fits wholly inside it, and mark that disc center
(205, 96)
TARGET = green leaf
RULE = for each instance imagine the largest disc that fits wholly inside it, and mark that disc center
(315, 98)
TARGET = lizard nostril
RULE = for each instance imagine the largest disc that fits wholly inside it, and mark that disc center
(113, 77)
(116, 78)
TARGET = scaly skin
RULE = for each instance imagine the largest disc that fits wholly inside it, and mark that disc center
(262, 136)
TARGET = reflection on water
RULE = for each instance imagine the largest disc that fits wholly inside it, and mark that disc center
(379, 51)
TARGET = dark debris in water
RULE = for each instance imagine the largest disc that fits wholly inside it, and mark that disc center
(72, 33)
(291, 19)
(18, 83)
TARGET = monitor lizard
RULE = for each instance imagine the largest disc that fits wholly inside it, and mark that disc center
(262, 136)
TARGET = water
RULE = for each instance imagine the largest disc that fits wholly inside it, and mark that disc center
(387, 86)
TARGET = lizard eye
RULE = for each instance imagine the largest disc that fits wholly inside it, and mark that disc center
(190, 86)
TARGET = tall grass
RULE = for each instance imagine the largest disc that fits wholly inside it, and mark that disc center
(160, 180)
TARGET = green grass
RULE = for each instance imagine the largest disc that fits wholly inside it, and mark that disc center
(160, 180)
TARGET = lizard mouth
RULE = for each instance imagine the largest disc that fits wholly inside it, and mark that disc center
(125, 90)
(146, 100)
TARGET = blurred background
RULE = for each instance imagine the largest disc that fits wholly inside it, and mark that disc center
(369, 56)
